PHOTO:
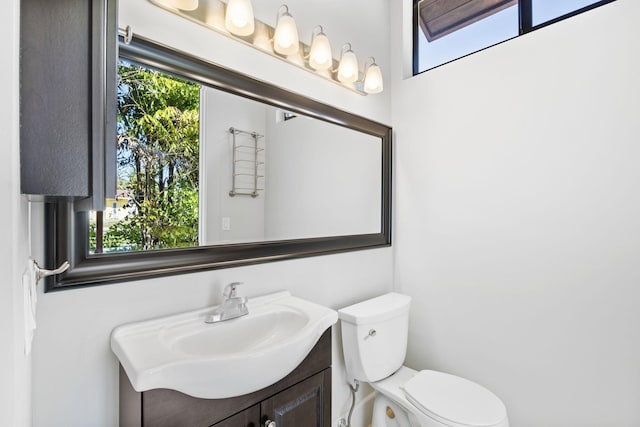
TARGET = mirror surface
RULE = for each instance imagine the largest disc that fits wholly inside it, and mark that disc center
(200, 166)
(313, 178)
(309, 179)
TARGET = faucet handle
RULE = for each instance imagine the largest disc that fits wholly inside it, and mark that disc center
(230, 291)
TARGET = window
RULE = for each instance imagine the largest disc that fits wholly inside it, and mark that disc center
(446, 34)
(547, 10)
(446, 30)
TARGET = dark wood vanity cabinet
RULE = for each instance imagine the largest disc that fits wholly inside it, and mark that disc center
(304, 404)
(301, 399)
(247, 418)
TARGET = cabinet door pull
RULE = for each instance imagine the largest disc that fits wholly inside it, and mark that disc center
(269, 423)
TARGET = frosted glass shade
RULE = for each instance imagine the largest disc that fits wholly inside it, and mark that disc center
(348, 68)
(183, 4)
(239, 17)
(285, 38)
(320, 56)
(373, 79)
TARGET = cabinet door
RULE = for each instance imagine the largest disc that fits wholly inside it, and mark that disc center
(68, 58)
(306, 404)
(248, 418)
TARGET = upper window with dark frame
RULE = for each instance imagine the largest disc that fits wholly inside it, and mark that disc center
(446, 30)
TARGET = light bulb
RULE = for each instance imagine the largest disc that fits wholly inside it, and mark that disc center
(320, 56)
(373, 82)
(239, 17)
(348, 68)
(239, 21)
(285, 38)
(184, 4)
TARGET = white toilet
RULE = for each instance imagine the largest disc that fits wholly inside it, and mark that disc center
(374, 340)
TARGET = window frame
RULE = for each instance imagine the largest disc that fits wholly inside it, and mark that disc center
(525, 26)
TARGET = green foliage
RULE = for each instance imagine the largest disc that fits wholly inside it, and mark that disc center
(158, 158)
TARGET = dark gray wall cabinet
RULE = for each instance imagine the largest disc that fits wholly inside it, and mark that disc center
(301, 399)
(68, 54)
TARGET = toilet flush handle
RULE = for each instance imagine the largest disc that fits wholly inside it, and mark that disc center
(372, 333)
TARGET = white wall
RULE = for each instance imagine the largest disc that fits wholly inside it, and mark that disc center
(15, 368)
(517, 225)
(301, 196)
(74, 372)
(304, 197)
(220, 111)
(8, 287)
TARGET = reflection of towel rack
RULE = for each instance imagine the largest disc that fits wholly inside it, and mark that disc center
(246, 165)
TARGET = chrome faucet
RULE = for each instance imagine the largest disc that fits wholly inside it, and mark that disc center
(232, 306)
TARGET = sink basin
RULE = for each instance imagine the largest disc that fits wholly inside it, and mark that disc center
(224, 359)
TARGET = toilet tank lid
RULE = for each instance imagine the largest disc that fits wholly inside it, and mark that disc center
(376, 309)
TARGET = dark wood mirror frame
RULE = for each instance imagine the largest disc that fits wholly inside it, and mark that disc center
(66, 229)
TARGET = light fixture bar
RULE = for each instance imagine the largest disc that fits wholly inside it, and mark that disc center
(211, 14)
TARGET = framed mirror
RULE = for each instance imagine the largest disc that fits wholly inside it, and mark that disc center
(224, 171)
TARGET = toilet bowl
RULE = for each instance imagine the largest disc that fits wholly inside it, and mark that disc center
(436, 399)
(374, 338)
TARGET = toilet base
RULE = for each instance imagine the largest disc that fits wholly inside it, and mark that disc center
(387, 413)
(389, 393)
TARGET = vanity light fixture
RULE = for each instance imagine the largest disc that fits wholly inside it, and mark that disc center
(373, 82)
(282, 41)
(183, 4)
(348, 67)
(285, 37)
(320, 56)
(239, 18)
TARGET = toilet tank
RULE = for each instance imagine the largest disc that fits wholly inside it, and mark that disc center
(374, 336)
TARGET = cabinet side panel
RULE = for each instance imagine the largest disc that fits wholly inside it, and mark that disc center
(130, 407)
(326, 399)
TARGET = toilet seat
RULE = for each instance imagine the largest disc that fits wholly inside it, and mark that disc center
(454, 401)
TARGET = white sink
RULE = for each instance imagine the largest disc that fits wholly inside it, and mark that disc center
(224, 359)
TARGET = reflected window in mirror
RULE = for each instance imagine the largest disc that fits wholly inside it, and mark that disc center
(158, 138)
